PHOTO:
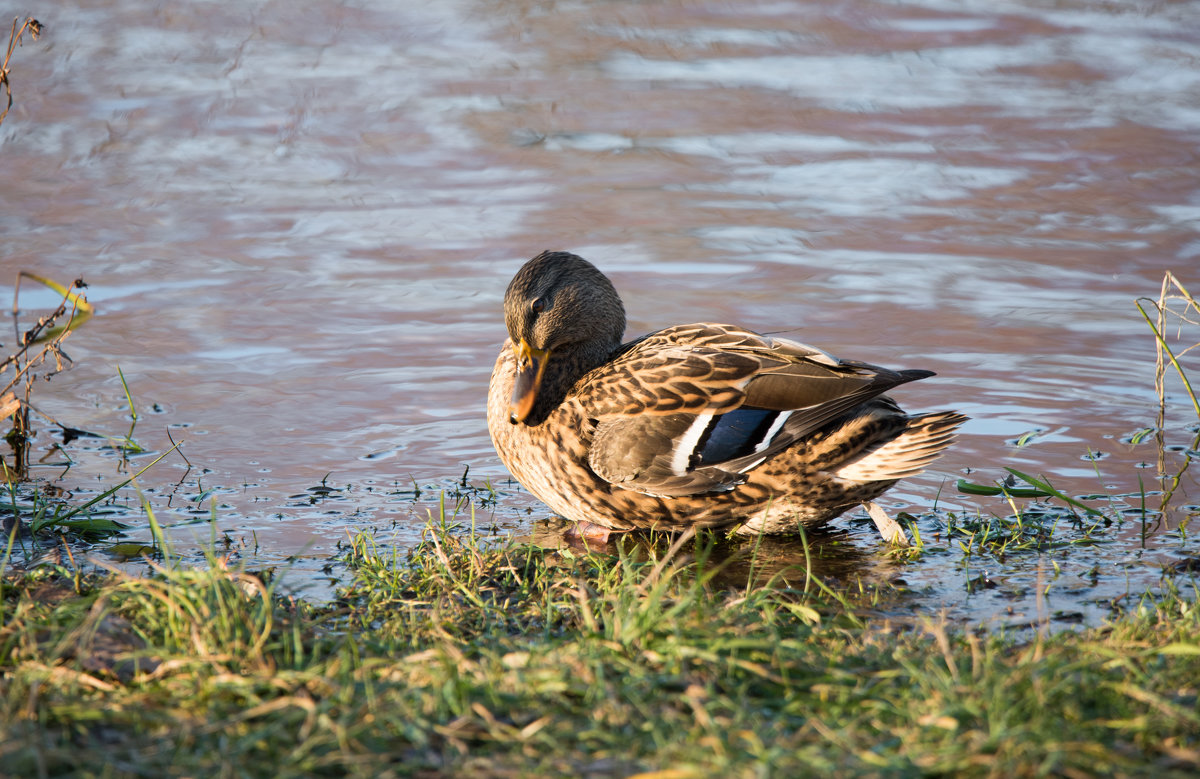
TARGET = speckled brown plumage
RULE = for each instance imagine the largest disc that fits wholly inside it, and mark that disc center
(701, 425)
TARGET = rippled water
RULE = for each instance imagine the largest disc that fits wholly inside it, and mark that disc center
(297, 223)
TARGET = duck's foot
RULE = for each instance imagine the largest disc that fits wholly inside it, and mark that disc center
(583, 532)
(888, 528)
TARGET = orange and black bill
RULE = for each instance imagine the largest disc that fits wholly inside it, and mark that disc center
(531, 364)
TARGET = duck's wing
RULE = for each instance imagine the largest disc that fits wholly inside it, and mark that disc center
(690, 409)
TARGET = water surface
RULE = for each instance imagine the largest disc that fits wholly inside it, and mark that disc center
(297, 225)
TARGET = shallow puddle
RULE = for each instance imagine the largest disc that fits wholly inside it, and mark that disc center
(297, 226)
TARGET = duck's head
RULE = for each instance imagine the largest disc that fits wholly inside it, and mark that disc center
(559, 305)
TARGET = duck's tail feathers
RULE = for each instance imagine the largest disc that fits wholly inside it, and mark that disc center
(924, 438)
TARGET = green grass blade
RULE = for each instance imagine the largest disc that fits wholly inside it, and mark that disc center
(1041, 484)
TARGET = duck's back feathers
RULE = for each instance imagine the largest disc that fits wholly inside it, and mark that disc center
(690, 409)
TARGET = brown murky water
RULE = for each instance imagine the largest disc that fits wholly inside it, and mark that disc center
(297, 222)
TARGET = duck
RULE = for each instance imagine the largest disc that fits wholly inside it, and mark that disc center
(695, 426)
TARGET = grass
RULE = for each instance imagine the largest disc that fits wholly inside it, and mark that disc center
(465, 656)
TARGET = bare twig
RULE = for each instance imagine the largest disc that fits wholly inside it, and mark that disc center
(14, 39)
(48, 334)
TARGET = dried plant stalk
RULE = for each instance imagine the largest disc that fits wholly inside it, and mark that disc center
(34, 28)
(1172, 292)
(36, 347)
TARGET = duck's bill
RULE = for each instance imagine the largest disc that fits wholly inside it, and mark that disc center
(531, 364)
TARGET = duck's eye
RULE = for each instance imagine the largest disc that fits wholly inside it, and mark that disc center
(538, 306)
